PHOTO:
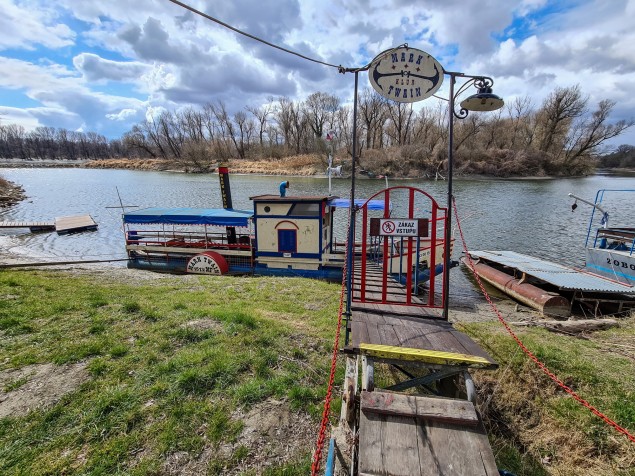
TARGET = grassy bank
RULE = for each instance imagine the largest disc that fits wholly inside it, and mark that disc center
(167, 375)
(535, 427)
(110, 372)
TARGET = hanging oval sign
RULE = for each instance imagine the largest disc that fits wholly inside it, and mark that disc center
(405, 74)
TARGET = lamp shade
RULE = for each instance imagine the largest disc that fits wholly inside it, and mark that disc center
(483, 101)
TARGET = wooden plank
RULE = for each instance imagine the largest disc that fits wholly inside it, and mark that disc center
(400, 451)
(368, 317)
(390, 443)
(413, 311)
(437, 409)
(370, 443)
(378, 289)
(26, 224)
(457, 451)
(373, 334)
(74, 223)
(411, 336)
(446, 341)
(388, 335)
(387, 445)
(377, 280)
(424, 325)
(423, 355)
(359, 333)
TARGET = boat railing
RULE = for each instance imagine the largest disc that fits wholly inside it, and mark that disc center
(187, 239)
(619, 239)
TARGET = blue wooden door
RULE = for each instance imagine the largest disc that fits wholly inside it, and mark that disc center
(287, 241)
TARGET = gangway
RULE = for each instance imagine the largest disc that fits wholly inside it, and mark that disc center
(424, 422)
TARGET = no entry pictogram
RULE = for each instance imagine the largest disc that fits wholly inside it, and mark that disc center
(388, 227)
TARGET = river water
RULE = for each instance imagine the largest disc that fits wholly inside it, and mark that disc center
(527, 216)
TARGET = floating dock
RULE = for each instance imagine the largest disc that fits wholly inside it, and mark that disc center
(74, 224)
(31, 225)
(63, 225)
(386, 432)
(551, 288)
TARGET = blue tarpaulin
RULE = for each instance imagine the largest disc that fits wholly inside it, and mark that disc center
(346, 203)
(189, 216)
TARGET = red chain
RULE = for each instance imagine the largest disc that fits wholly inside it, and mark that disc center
(542, 366)
(317, 456)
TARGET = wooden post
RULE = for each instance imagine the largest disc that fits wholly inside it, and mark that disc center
(350, 390)
(368, 374)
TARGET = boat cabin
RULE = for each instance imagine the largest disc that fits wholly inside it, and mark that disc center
(292, 232)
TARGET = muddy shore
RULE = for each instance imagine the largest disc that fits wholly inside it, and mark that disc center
(10, 193)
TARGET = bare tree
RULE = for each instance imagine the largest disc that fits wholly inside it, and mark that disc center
(372, 109)
(399, 122)
(262, 114)
(519, 112)
(284, 118)
(318, 108)
(557, 114)
(587, 136)
(244, 130)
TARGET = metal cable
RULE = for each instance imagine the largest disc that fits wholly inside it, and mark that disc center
(340, 68)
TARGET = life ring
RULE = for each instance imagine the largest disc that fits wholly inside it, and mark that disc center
(209, 262)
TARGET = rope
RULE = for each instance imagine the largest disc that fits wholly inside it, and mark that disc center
(215, 20)
(530, 354)
(317, 456)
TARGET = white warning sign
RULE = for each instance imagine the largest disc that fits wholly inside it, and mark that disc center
(399, 227)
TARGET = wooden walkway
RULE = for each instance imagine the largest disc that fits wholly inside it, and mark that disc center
(63, 225)
(31, 225)
(432, 432)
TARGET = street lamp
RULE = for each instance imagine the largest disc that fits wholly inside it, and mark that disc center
(483, 101)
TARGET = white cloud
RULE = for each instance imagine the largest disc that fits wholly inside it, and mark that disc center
(24, 27)
(175, 58)
(123, 115)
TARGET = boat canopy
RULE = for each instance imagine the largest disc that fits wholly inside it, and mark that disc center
(189, 216)
(346, 203)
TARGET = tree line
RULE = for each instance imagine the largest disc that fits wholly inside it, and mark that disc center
(561, 136)
(622, 157)
(52, 143)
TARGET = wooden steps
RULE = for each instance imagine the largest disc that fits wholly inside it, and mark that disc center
(403, 435)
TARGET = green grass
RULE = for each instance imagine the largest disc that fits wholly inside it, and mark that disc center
(159, 383)
(530, 418)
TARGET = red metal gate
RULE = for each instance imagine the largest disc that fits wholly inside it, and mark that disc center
(405, 244)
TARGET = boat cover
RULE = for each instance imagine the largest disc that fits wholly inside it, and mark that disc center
(189, 216)
(346, 203)
(561, 276)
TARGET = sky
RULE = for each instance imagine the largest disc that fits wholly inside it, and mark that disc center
(104, 66)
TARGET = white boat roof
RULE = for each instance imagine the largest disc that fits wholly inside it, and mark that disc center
(561, 276)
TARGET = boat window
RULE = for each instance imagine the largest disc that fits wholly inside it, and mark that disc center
(305, 210)
(267, 209)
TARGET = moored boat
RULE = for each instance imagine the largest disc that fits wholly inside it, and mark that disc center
(610, 250)
(606, 284)
(284, 236)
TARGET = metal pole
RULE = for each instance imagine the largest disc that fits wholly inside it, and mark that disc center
(329, 170)
(351, 231)
(448, 227)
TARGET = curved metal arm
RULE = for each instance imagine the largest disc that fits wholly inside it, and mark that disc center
(479, 82)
